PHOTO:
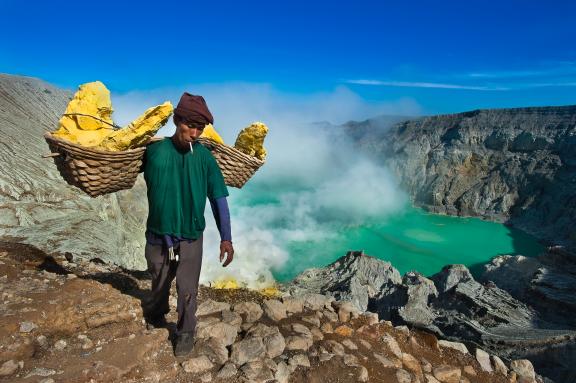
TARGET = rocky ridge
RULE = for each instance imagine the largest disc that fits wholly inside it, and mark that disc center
(69, 320)
(508, 165)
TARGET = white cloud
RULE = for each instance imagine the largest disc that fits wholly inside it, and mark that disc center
(410, 84)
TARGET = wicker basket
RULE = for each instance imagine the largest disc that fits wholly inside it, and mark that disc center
(237, 167)
(98, 172)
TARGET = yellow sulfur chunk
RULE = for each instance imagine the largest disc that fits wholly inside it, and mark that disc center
(139, 131)
(91, 99)
(211, 134)
(251, 140)
(225, 283)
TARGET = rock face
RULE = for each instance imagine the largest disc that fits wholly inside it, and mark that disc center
(37, 206)
(361, 280)
(509, 165)
(451, 304)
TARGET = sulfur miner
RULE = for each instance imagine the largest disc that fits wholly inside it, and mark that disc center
(181, 175)
(87, 121)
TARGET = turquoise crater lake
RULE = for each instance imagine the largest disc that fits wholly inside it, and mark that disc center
(291, 218)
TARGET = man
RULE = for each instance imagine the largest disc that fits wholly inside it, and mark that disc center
(180, 174)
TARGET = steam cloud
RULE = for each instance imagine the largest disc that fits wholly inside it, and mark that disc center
(312, 179)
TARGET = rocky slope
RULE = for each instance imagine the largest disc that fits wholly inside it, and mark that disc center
(509, 165)
(37, 206)
(452, 305)
(69, 320)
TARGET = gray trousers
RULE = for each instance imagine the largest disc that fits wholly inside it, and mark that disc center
(187, 273)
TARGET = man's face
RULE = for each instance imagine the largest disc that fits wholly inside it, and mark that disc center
(187, 133)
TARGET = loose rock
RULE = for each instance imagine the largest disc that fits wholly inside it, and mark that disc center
(210, 306)
(484, 359)
(197, 365)
(275, 309)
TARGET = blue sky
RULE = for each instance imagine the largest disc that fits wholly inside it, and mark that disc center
(442, 56)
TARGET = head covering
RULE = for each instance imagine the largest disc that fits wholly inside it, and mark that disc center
(193, 109)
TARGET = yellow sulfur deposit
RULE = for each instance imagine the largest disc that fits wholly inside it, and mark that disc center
(91, 99)
(139, 131)
(251, 140)
(87, 121)
(211, 134)
(225, 283)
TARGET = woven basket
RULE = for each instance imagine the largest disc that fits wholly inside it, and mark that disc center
(237, 167)
(96, 172)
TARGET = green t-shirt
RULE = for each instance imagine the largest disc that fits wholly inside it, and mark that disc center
(178, 183)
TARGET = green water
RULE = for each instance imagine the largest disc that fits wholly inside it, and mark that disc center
(288, 217)
(413, 240)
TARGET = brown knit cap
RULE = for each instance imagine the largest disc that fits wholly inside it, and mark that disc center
(193, 109)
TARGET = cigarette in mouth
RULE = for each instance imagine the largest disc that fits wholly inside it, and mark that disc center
(191, 150)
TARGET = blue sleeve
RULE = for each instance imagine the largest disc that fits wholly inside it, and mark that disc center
(222, 217)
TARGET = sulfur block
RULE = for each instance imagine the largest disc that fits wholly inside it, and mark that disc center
(139, 131)
(211, 134)
(91, 99)
(251, 140)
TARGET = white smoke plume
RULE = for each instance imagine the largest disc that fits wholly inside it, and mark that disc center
(312, 176)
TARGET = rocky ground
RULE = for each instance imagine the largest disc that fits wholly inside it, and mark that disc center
(67, 320)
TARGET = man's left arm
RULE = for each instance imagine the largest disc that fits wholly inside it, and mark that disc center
(221, 214)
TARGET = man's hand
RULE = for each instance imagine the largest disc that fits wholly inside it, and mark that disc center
(226, 248)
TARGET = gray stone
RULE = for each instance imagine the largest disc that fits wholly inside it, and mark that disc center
(330, 315)
(282, 373)
(453, 345)
(213, 348)
(426, 366)
(8, 368)
(60, 345)
(40, 371)
(27, 326)
(299, 360)
(256, 371)
(231, 318)
(430, 379)
(207, 377)
(293, 305)
(350, 360)
(301, 329)
(403, 376)
(316, 334)
(210, 306)
(274, 344)
(349, 344)
(197, 365)
(274, 309)
(362, 374)
(524, 368)
(447, 374)
(325, 357)
(247, 350)
(227, 371)
(499, 365)
(250, 311)
(298, 342)
(392, 345)
(312, 319)
(411, 364)
(371, 318)
(334, 347)
(484, 359)
(219, 330)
